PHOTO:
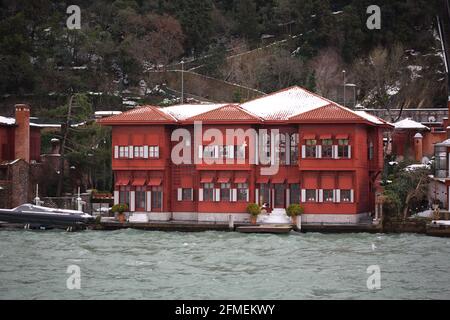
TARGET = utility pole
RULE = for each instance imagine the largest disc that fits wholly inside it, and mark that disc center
(343, 72)
(182, 81)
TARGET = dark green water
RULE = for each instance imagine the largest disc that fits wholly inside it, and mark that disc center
(134, 264)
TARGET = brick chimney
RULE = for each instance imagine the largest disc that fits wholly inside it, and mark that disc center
(418, 148)
(22, 132)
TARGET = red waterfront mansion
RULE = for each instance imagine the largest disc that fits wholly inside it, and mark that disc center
(330, 159)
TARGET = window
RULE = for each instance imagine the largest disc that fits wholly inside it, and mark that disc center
(208, 191)
(242, 191)
(310, 195)
(156, 198)
(140, 198)
(343, 148)
(139, 151)
(209, 151)
(223, 152)
(327, 148)
(266, 145)
(310, 150)
(370, 151)
(225, 191)
(264, 193)
(294, 149)
(186, 194)
(345, 196)
(124, 195)
(281, 149)
(153, 151)
(123, 152)
(294, 190)
(239, 151)
(328, 195)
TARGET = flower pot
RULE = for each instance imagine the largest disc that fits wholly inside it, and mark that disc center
(121, 217)
(294, 220)
(253, 219)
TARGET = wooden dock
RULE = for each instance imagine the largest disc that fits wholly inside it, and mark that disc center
(266, 228)
(437, 230)
(184, 226)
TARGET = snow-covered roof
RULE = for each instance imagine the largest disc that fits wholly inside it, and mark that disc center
(184, 111)
(291, 104)
(7, 120)
(284, 104)
(409, 124)
(106, 113)
(12, 121)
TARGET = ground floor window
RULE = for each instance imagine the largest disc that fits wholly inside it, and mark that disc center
(264, 193)
(186, 194)
(242, 191)
(225, 191)
(345, 196)
(294, 196)
(311, 195)
(208, 191)
(124, 195)
(140, 198)
(156, 198)
(328, 195)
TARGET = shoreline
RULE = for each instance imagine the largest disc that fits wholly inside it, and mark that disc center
(418, 227)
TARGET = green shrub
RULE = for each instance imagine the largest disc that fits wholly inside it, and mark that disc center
(294, 210)
(120, 208)
(253, 209)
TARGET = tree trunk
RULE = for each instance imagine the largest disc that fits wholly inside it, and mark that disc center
(65, 131)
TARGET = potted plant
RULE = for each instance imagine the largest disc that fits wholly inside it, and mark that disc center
(293, 211)
(254, 210)
(120, 209)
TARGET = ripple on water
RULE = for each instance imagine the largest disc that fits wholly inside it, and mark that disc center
(134, 264)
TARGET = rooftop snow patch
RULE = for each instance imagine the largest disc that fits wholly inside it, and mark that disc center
(410, 124)
(284, 104)
(185, 111)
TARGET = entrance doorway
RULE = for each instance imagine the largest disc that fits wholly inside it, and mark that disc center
(279, 201)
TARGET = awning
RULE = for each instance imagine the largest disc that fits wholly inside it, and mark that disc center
(138, 182)
(207, 178)
(240, 177)
(224, 178)
(293, 179)
(154, 182)
(262, 179)
(342, 136)
(122, 182)
(325, 136)
(186, 181)
(309, 136)
(278, 179)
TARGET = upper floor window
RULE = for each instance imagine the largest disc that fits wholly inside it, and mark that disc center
(153, 151)
(370, 151)
(294, 148)
(209, 151)
(310, 150)
(139, 151)
(124, 151)
(327, 148)
(281, 149)
(343, 148)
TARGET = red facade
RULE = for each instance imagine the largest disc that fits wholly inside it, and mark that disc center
(328, 158)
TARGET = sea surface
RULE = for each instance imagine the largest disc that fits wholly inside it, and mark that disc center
(132, 264)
